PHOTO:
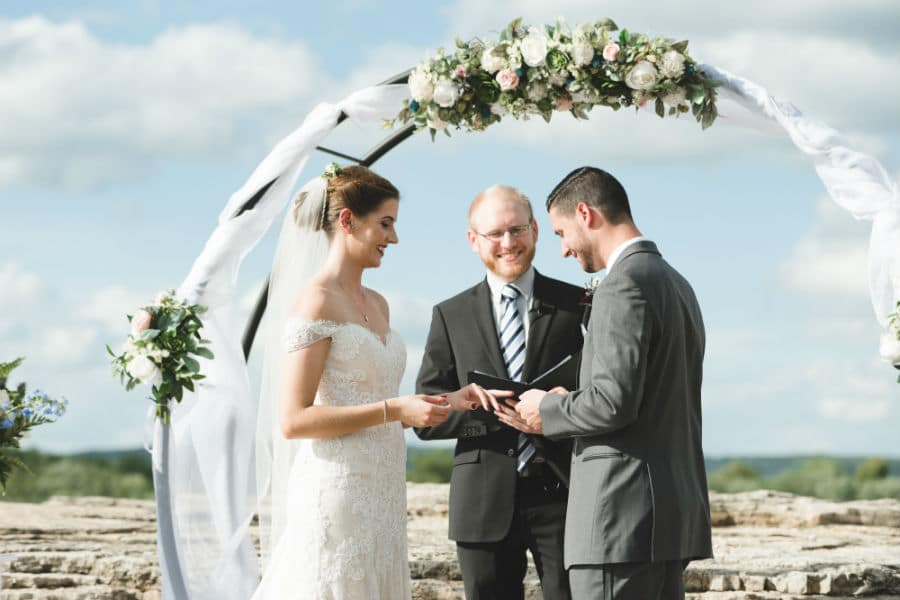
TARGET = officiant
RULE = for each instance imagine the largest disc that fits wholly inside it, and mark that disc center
(506, 496)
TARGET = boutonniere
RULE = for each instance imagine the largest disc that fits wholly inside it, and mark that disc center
(587, 297)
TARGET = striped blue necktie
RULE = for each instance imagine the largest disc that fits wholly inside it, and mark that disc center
(512, 344)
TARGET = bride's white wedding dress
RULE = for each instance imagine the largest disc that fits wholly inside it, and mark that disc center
(345, 532)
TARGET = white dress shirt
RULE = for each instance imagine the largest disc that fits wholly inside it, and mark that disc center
(525, 284)
(621, 248)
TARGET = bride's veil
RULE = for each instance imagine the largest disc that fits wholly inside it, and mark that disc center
(301, 252)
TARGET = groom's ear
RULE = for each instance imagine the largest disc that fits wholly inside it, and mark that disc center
(589, 216)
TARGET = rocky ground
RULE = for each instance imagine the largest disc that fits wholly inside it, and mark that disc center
(768, 545)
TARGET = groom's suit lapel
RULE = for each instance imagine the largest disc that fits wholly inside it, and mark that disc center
(484, 322)
(541, 316)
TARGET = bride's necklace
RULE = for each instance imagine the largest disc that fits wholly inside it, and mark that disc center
(362, 308)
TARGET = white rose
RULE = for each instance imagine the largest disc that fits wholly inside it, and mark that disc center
(534, 48)
(672, 64)
(642, 77)
(446, 93)
(582, 97)
(890, 348)
(420, 87)
(490, 62)
(142, 368)
(537, 91)
(676, 97)
(583, 53)
(558, 78)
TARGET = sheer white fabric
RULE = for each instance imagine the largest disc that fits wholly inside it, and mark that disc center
(345, 529)
(301, 252)
(855, 181)
(210, 493)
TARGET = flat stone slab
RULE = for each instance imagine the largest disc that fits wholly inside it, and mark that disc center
(768, 546)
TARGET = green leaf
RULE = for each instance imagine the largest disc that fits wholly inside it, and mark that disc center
(150, 334)
(8, 367)
(623, 37)
(660, 108)
(680, 46)
(607, 24)
(192, 365)
(205, 353)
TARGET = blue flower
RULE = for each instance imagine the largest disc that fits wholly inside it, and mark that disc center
(597, 62)
(689, 69)
(520, 73)
(413, 106)
(27, 412)
(6, 423)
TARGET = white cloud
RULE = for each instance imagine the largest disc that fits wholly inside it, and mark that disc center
(831, 258)
(110, 305)
(59, 346)
(78, 111)
(18, 287)
(856, 410)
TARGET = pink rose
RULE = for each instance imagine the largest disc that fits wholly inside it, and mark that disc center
(460, 72)
(140, 322)
(507, 79)
(611, 51)
(564, 103)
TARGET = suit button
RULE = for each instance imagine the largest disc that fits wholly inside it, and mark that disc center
(510, 452)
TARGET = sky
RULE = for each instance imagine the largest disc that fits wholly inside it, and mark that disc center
(126, 127)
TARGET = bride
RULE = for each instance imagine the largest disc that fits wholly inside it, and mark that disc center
(333, 459)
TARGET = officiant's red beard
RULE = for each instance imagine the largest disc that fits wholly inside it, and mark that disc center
(510, 263)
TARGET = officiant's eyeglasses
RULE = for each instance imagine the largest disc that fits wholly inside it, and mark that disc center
(496, 236)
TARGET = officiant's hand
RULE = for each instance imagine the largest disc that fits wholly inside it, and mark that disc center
(473, 397)
(529, 409)
(420, 410)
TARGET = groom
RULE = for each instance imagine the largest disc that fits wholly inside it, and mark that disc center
(638, 503)
(516, 324)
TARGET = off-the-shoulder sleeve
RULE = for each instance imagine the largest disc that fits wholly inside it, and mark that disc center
(300, 333)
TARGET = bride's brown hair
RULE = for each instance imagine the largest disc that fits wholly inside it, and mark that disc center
(356, 188)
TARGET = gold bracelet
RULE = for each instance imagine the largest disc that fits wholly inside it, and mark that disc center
(385, 411)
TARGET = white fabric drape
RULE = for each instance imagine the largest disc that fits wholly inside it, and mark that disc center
(209, 484)
(855, 181)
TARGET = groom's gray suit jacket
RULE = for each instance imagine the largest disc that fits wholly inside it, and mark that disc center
(638, 483)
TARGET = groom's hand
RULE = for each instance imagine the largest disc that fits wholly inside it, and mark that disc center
(529, 409)
(509, 416)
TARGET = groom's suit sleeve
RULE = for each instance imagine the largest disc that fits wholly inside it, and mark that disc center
(619, 335)
(438, 375)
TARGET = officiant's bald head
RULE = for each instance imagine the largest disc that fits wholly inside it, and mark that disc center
(502, 231)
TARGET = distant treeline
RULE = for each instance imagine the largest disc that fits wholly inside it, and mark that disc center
(128, 474)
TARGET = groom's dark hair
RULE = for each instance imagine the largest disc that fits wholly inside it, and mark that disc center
(595, 187)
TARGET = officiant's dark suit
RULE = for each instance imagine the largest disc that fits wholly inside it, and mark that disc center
(496, 512)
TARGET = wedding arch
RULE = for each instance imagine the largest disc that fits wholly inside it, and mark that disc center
(203, 460)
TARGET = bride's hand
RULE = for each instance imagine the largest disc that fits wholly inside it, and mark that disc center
(473, 396)
(421, 410)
